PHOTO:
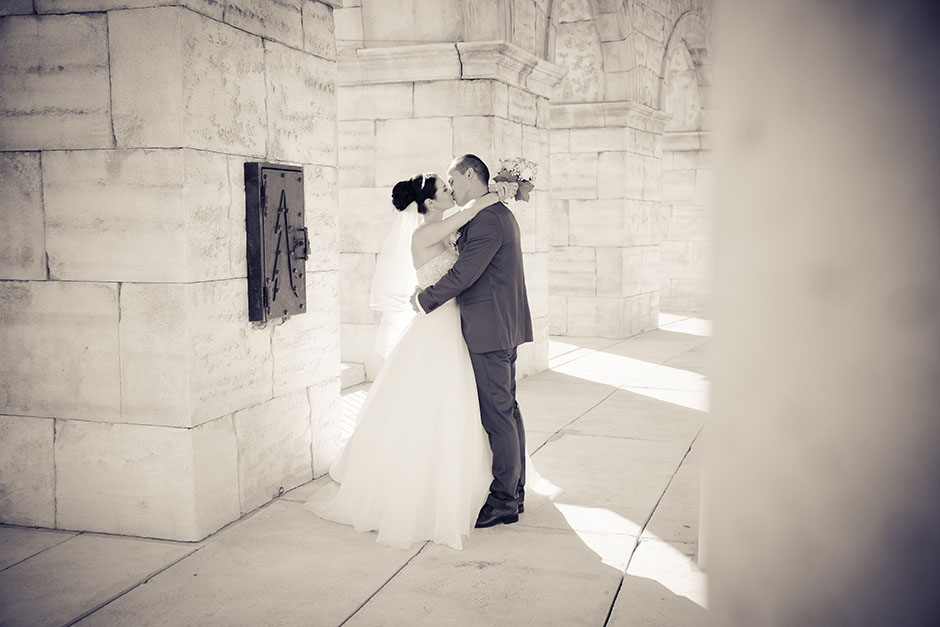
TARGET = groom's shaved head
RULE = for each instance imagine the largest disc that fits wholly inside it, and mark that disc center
(472, 162)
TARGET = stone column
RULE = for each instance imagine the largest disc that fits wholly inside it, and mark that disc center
(687, 205)
(606, 225)
(137, 397)
(411, 109)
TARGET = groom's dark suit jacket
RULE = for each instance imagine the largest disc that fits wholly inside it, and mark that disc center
(488, 282)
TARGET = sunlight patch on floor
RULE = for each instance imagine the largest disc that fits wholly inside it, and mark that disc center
(689, 325)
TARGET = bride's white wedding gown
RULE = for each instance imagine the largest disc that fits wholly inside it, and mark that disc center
(418, 464)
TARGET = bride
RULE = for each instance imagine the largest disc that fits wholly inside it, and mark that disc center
(418, 465)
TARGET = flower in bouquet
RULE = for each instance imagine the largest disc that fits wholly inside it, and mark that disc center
(518, 171)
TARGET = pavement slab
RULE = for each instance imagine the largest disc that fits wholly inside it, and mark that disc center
(77, 576)
(629, 414)
(507, 575)
(663, 587)
(613, 482)
(20, 543)
(676, 518)
(280, 566)
(550, 400)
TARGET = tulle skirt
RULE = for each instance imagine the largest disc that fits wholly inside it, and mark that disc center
(418, 464)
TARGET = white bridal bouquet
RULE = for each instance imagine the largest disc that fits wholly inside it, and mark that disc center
(519, 171)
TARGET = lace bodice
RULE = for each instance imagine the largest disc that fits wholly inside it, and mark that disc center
(436, 267)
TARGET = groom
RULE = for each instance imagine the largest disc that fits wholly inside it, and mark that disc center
(489, 285)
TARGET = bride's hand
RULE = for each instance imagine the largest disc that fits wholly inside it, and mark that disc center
(505, 190)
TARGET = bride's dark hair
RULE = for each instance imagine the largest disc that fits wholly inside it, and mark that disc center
(419, 189)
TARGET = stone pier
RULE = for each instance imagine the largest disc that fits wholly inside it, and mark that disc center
(136, 397)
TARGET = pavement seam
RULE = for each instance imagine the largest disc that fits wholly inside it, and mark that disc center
(41, 551)
(130, 588)
(387, 581)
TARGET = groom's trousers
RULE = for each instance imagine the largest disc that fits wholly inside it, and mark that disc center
(495, 374)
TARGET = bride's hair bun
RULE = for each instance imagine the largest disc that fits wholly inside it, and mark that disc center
(419, 188)
(403, 194)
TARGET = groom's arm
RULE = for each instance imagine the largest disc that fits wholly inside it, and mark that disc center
(484, 237)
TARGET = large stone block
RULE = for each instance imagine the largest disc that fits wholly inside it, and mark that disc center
(305, 348)
(704, 188)
(356, 143)
(676, 259)
(574, 175)
(181, 79)
(455, 98)
(16, 7)
(679, 186)
(144, 215)
(521, 106)
(608, 222)
(557, 315)
(376, 102)
(273, 448)
(319, 31)
(701, 260)
(22, 232)
(598, 139)
(55, 83)
(535, 147)
(560, 141)
(356, 271)
(366, 213)
(210, 8)
(651, 269)
(689, 223)
(348, 21)
(189, 354)
(321, 205)
(595, 317)
(652, 178)
(507, 141)
(59, 343)
(301, 106)
(327, 425)
(558, 223)
(158, 482)
(27, 471)
(280, 20)
(619, 271)
(398, 155)
(572, 271)
(537, 283)
(689, 296)
(476, 135)
(532, 356)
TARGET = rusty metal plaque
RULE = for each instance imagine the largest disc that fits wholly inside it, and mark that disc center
(278, 245)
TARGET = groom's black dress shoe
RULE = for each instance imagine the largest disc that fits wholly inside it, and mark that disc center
(489, 517)
(521, 508)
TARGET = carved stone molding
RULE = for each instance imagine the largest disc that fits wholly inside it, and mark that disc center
(688, 140)
(511, 64)
(463, 60)
(603, 114)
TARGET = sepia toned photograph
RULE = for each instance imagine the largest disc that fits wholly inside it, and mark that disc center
(471, 313)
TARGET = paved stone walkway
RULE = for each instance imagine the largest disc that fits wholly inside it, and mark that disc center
(609, 536)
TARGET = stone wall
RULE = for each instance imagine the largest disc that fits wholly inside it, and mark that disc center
(411, 109)
(629, 224)
(136, 396)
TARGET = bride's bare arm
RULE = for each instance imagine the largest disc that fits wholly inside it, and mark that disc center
(430, 234)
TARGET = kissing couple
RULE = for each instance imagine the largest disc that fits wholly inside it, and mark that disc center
(439, 446)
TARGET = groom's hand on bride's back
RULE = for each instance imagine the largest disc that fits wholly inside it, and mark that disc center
(414, 301)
